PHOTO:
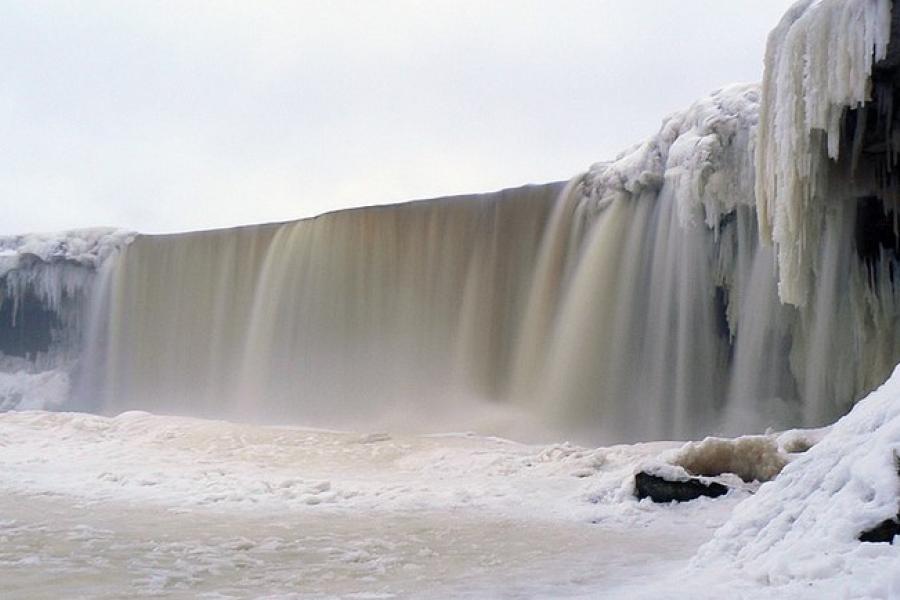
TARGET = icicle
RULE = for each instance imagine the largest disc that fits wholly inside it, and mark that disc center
(50, 278)
(818, 63)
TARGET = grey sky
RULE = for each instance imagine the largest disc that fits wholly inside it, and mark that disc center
(175, 115)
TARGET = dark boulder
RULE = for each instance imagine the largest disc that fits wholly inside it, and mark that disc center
(883, 532)
(659, 489)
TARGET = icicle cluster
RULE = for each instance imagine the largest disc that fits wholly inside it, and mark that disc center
(51, 275)
(818, 63)
(53, 266)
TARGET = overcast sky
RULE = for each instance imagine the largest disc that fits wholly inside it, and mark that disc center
(168, 116)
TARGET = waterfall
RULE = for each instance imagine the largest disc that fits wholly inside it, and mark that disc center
(398, 313)
(734, 272)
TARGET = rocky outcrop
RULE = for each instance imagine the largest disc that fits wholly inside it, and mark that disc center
(660, 489)
(883, 532)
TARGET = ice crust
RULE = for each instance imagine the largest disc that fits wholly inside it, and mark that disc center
(184, 505)
(766, 145)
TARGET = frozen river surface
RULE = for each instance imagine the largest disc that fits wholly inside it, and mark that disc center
(148, 506)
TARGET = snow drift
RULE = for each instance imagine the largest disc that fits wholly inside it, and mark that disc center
(805, 525)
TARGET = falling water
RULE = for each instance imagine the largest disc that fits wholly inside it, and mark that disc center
(400, 314)
(734, 272)
(528, 312)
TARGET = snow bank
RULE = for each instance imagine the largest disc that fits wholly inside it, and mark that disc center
(805, 524)
(818, 63)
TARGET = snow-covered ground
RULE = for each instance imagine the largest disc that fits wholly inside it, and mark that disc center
(174, 507)
(153, 506)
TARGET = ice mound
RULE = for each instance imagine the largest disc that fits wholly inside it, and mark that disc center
(715, 465)
(805, 524)
(752, 457)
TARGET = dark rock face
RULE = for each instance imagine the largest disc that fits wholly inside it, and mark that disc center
(26, 330)
(662, 490)
(883, 532)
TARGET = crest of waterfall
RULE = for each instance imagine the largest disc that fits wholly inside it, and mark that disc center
(736, 271)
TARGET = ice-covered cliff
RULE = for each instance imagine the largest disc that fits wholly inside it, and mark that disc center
(46, 293)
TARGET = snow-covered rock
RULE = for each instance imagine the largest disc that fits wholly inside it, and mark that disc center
(712, 466)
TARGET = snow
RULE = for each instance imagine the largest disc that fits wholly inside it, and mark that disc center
(818, 62)
(54, 266)
(191, 462)
(87, 247)
(173, 506)
(704, 153)
(180, 507)
(23, 390)
(804, 525)
(151, 505)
